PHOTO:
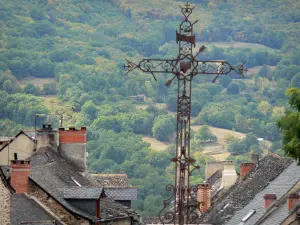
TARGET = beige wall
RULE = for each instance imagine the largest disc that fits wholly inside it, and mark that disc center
(229, 175)
(291, 220)
(4, 204)
(22, 145)
(212, 167)
(126, 221)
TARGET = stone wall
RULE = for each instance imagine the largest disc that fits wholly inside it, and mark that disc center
(4, 204)
(55, 207)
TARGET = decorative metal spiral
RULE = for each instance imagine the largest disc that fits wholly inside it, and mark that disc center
(148, 65)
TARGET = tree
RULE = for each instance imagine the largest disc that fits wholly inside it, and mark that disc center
(264, 107)
(31, 89)
(8, 87)
(50, 88)
(290, 125)
(42, 68)
(163, 127)
(205, 134)
(90, 109)
(233, 89)
(225, 81)
(295, 82)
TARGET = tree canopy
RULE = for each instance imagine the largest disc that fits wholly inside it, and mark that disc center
(290, 125)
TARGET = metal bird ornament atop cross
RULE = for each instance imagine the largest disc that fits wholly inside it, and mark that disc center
(181, 207)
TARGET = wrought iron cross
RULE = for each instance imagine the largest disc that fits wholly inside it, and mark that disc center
(180, 208)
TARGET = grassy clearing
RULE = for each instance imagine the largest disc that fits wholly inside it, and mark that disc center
(36, 81)
(155, 144)
(221, 133)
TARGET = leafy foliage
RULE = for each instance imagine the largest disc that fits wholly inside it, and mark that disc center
(290, 125)
(82, 44)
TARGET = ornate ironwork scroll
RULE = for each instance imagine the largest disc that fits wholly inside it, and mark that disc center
(181, 207)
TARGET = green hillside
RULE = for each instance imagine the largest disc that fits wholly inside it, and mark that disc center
(74, 50)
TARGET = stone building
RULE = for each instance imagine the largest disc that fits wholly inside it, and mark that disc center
(54, 180)
(266, 192)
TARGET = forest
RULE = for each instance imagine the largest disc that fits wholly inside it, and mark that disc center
(77, 48)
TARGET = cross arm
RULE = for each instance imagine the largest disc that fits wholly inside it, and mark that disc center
(152, 66)
(218, 67)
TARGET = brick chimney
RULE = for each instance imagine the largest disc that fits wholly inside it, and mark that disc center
(245, 168)
(20, 170)
(269, 199)
(204, 196)
(46, 137)
(72, 146)
(292, 200)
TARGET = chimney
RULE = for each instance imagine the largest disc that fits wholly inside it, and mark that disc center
(245, 168)
(46, 137)
(204, 196)
(20, 170)
(72, 146)
(269, 199)
(292, 200)
(229, 175)
(255, 158)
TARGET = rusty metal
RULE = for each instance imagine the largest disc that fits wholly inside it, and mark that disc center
(181, 207)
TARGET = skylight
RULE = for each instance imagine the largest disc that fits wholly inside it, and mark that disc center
(76, 182)
(248, 215)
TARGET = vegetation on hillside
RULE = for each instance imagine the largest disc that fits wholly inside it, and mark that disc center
(290, 125)
(82, 44)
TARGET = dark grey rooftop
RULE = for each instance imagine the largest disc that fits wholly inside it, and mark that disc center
(111, 180)
(81, 192)
(277, 216)
(129, 193)
(30, 133)
(25, 209)
(279, 186)
(238, 196)
(52, 173)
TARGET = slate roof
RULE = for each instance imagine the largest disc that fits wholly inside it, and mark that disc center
(239, 195)
(278, 216)
(81, 192)
(52, 173)
(126, 193)
(25, 209)
(216, 181)
(30, 133)
(111, 180)
(280, 186)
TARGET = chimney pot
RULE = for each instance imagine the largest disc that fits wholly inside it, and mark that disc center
(292, 200)
(44, 126)
(269, 199)
(20, 170)
(245, 168)
(204, 196)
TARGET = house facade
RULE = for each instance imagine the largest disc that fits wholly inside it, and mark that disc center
(55, 180)
(22, 143)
